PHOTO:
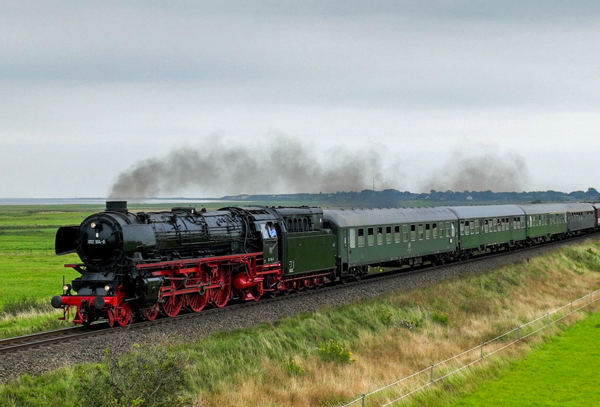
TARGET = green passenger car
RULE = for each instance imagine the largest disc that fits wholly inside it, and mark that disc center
(545, 221)
(391, 237)
(580, 218)
(489, 228)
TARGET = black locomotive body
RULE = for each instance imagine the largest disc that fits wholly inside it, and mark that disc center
(128, 259)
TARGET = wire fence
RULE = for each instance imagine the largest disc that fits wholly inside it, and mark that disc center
(410, 385)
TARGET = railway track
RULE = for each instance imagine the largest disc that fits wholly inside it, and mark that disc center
(50, 337)
(66, 335)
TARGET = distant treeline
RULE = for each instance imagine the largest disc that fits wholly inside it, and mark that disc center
(392, 197)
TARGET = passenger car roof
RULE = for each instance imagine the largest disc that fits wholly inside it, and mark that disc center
(535, 209)
(486, 211)
(386, 216)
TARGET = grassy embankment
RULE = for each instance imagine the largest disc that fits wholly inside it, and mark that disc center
(286, 363)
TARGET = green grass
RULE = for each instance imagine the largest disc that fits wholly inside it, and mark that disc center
(30, 271)
(562, 372)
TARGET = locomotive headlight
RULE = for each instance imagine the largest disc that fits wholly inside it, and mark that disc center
(93, 225)
(108, 288)
(67, 289)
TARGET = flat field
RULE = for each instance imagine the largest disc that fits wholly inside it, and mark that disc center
(28, 265)
(562, 372)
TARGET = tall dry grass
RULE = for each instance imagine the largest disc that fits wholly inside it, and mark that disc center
(407, 335)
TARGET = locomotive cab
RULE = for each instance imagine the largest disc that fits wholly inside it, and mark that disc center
(269, 235)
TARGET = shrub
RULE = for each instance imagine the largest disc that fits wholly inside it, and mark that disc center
(147, 376)
(441, 317)
(334, 352)
(386, 317)
(293, 367)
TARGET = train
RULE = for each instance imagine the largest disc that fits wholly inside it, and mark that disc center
(135, 266)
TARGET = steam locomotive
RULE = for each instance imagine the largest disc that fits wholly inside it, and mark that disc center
(137, 265)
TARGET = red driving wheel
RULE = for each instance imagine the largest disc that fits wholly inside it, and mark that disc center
(197, 301)
(220, 295)
(120, 314)
(151, 312)
(172, 305)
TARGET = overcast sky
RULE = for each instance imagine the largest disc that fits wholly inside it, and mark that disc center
(424, 90)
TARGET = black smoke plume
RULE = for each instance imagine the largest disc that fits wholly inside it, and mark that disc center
(283, 166)
(497, 172)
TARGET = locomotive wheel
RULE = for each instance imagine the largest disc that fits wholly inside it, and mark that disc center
(151, 312)
(220, 296)
(272, 283)
(172, 305)
(256, 292)
(289, 288)
(197, 301)
(121, 314)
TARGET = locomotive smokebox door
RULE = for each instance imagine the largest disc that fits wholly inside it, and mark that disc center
(269, 235)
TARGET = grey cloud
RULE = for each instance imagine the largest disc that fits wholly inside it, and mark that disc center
(400, 54)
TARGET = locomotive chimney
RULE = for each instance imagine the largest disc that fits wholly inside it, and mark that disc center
(116, 206)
